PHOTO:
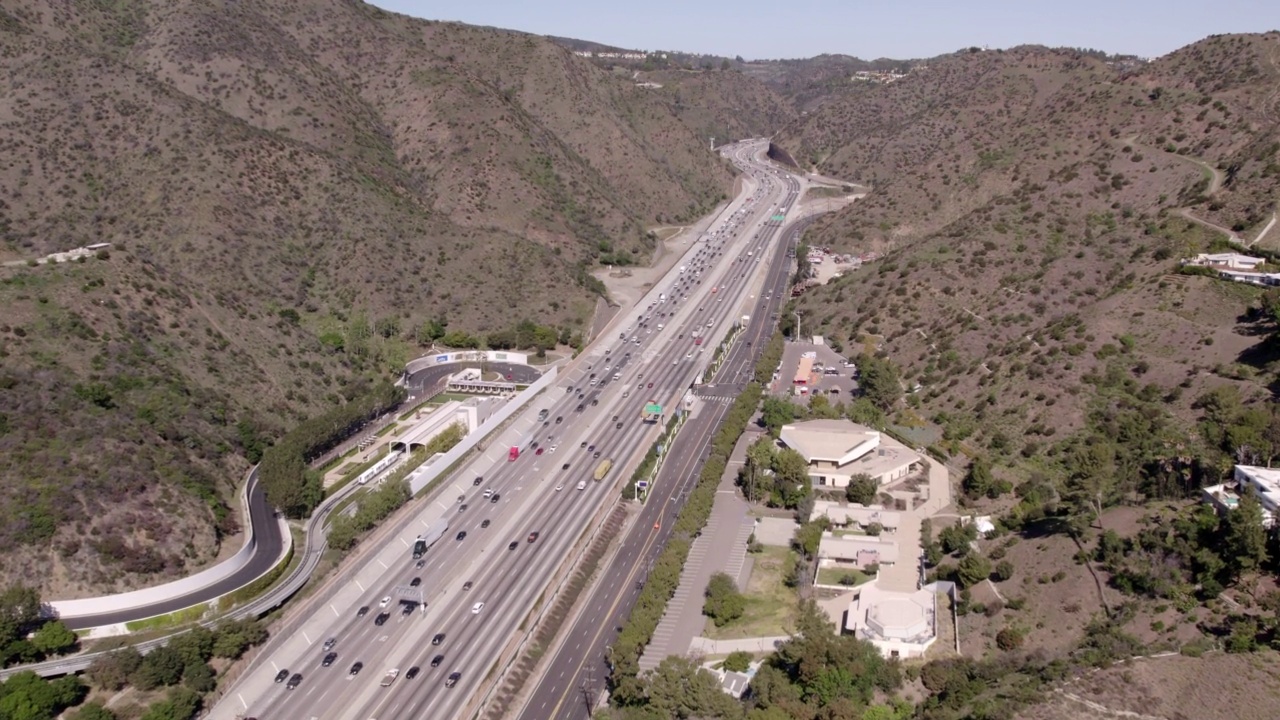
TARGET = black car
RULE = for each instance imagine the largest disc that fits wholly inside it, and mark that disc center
(462, 507)
(514, 544)
(565, 466)
(294, 681)
(462, 536)
(280, 676)
(453, 679)
(439, 638)
(584, 444)
(618, 426)
(407, 607)
(581, 408)
(328, 659)
(382, 619)
(435, 661)
(362, 611)
(356, 668)
(415, 582)
(596, 455)
(484, 523)
(558, 419)
(477, 481)
(494, 497)
(590, 448)
(413, 672)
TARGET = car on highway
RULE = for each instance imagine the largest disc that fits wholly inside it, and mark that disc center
(467, 585)
(328, 659)
(280, 676)
(439, 638)
(651, 385)
(514, 544)
(453, 679)
(475, 609)
(560, 418)
(364, 610)
(381, 619)
(384, 602)
(413, 672)
(495, 498)
(484, 523)
(559, 488)
(328, 644)
(294, 681)
(415, 582)
(407, 607)
(533, 536)
(584, 444)
(463, 507)
(539, 451)
(435, 661)
(618, 426)
(462, 535)
(565, 466)
(356, 668)
(476, 483)
(420, 564)
(596, 454)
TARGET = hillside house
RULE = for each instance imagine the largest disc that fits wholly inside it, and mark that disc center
(1263, 483)
(1226, 261)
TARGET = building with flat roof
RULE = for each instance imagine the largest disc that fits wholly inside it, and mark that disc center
(900, 624)
(804, 371)
(1262, 483)
(836, 450)
(843, 515)
(855, 550)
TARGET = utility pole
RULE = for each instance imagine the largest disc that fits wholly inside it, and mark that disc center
(797, 337)
(588, 696)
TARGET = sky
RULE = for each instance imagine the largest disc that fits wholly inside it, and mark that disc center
(869, 29)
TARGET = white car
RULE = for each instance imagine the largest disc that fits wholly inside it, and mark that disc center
(385, 602)
(475, 609)
(559, 488)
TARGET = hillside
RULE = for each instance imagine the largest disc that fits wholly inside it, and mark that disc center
(291, 192)
(1033, 205)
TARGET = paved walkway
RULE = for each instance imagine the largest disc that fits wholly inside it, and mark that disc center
(904, 575)
(722, 547)
(705, 646)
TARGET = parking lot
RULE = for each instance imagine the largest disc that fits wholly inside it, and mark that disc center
(838, 387)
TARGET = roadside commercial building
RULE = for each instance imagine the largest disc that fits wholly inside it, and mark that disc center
(836, 450)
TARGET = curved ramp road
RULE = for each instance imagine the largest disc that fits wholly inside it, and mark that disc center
(514, 547)
(267, 540)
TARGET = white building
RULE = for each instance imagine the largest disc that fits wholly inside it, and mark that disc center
(1263, 483)
(845, 515)
(900, 624)
(836, 450)
(1229, 261)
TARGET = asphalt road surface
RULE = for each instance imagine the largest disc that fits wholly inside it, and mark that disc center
(591, 417)
(575, 676)
(269, 542)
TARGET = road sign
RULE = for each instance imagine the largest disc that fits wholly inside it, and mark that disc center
(642, 484)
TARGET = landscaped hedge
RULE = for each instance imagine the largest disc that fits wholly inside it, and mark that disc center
(289, 485)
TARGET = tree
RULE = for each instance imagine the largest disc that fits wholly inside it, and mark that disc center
(776, 412)
(181, 704)
(160, 667)
(678, 688)
(93, 711)
(1246, 539)
(878, 379)
(198, 676)
(791, 477)
(1004, 570)
(1009, 639)
(429, 332)
(808, 536)
(194, 645)
(978, 481)
(1092, 485)
(724, 603)
(862, 489)
(113, 670)
(19, 612)
(738, 661)
(759, 464)
(973, 569)
(54, 638)
(26, 696)
(865, 412)
(233, 637)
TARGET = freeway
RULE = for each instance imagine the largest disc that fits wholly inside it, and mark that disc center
(573, 677)
(474, 589)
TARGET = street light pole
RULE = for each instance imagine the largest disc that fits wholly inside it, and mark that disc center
(797, 314)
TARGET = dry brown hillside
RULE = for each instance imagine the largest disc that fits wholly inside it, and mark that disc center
(291, 190)
(1030, 205)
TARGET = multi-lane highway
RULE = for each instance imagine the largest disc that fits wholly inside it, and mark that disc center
(573, 678)
(481, 580)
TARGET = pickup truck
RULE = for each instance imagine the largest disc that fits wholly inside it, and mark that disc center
(390, 677)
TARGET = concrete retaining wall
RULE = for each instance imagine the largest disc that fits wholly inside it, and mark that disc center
(421, 480)
(466, 356)
(160, 593)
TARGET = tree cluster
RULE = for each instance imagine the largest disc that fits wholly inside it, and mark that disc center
(27, 633)
(184, 659)
(286, 479)
(878, 381)
(27, 696)
(779, 477)
(373, 506)
(723, 603)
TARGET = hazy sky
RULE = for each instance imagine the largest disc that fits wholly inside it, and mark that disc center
(756, 29)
